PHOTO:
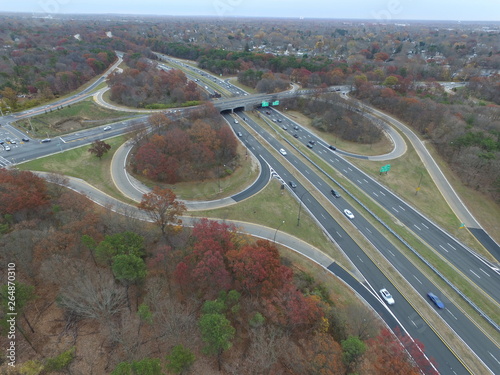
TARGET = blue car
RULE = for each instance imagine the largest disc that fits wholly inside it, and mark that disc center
(435, 299)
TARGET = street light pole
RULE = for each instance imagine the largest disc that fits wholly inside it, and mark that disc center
(277, 229)
(300, 207)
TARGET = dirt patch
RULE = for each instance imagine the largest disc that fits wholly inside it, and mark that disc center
(69, 124)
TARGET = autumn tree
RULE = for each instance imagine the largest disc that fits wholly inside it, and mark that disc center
(161, 206)
(159, 122)
(217, 333)
(179, 359)
(387, 355)
(99, 148)
(257, 268)
(21, 191)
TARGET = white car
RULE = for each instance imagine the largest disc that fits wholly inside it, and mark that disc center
(282, 151)
(106, 128)
(387, 296)
(348, 214)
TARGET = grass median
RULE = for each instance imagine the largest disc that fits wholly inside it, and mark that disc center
(77, 116)
(80, 163)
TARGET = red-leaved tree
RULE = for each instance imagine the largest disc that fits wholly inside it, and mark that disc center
(21, 191)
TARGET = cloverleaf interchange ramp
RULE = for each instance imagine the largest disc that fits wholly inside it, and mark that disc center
(248, 101)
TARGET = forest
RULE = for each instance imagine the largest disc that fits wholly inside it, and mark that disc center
(103, 293)
(330, 114)
(39, 61)
(144, 85)
(193, 148)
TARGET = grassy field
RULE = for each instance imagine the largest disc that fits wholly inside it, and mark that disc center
(82, 164)
(270, 207)
(74, 117)
(234, 81)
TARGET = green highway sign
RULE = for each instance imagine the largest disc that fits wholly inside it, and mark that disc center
(276, 102)
(265, 104)
(385, 168)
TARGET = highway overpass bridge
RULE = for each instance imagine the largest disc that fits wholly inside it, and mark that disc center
(249, 102)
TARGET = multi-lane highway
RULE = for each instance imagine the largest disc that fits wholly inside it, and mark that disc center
(471, 266)
(477, 340)
(404, 309)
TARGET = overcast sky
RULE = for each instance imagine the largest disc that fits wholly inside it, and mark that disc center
(456, 10)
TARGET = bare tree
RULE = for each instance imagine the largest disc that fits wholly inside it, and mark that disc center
(58, 181)
(90, 294)
(362, 322)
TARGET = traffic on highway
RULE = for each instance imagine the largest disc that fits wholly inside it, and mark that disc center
(283, 149)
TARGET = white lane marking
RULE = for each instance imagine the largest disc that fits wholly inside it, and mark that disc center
(375, 194)
(412, 322)
(494, 358)
(441, 246)
(308, 199)
(324, 217)
(319, 183)
(381, 192)
(450, 245)
(425, 226)
(395, 209)
(331, 160)
(402, 208)
(417, 279)
(344, 170)
(364, 179)
(339, 234)
(349, 169)
(475, 274)
(452, 314)
(359, 182)
(391, 253)
(368, 230)
(486, 273)
(307, 171)
(336, 159)
(415, 225)
(360, 258)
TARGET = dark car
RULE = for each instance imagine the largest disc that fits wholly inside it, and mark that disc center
(279, 120)
(312, 142)
(1, 142)
(293, 185)
(295, 135)
(285, 128)
(332, 147)
(268, 113)
(435, 299)
(25, 139)
(309, 145)
(296, 127)
(335, 193)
